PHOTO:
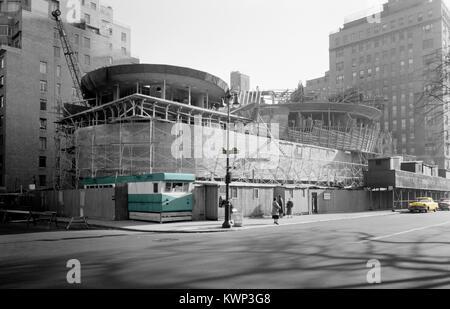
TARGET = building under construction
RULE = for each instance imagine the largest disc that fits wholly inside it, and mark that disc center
(145, 119)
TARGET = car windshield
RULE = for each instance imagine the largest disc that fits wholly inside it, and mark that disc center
(445, 201)
(422, 200)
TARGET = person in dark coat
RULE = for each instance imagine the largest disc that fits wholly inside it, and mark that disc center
(275, 211)
(281, 203)
(289, 207)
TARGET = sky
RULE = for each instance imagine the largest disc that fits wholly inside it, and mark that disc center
(278, 43)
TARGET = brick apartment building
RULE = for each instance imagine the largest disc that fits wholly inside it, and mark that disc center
(388, 55)
(35, 79)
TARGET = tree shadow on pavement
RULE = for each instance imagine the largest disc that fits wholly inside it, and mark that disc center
(266, 262)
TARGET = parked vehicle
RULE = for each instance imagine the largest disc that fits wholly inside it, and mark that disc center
(444, 204)
(424, 204)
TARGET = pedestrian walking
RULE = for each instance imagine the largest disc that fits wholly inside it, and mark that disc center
(275, 211)
(282, 208)
(289, 207)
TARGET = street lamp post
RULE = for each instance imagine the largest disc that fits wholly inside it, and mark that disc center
(227, 224)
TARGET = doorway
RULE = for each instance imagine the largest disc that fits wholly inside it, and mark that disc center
(314, 203)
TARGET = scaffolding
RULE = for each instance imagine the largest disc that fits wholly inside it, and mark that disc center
(146, 147)
(138, 134)
(66, 154)
(358, 138)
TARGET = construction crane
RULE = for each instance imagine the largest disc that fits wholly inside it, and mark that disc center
(64, 142)
(72, 62)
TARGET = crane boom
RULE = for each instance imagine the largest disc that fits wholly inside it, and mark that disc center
(72, 62)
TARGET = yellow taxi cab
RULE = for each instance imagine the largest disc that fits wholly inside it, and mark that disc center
(423, 204)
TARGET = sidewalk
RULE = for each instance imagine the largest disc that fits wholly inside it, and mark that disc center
(216, 226)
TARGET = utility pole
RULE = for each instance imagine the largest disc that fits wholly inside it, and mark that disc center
(227, 224)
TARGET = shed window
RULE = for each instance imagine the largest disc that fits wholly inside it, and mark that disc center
(175, 187)
(234, 193)
(256, 193)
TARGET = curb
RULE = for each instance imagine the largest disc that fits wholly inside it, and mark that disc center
(218, 230)
(163, 231)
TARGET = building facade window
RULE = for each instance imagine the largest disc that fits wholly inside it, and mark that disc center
(43, 123)
(43, 143)
(57, 51)
(43, 67)
(42, 162)
(43, 86)
(42, 180)
(43, 105)
(427, 28)
(87, 42)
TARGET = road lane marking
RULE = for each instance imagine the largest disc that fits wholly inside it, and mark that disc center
(404, 232)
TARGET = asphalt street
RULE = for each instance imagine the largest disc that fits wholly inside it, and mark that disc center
(413, 251)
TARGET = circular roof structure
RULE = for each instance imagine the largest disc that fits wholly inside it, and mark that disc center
(174, 76)
(358, 110)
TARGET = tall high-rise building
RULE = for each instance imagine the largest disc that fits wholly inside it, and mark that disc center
(240, 81)
(35, 78)
(390, 55)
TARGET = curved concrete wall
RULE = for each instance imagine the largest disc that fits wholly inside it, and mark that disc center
(116, 78)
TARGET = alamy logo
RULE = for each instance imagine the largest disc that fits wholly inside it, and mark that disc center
(374, 274)
(74, 274)
(246, 142)
(73, 11)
